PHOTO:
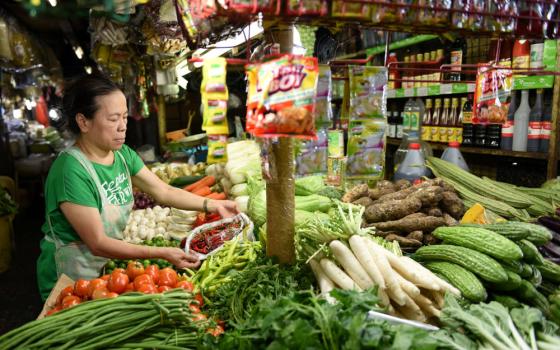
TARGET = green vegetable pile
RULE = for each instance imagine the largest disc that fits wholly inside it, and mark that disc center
(493, 326)
(7, 204)
(301, 320)
(156, 242)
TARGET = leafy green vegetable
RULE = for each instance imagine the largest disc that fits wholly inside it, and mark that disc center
(331, 192)
(300, 320)
(7, 204)
(313, 203)
(309, 185)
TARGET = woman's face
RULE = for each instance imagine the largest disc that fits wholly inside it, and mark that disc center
(107, 128)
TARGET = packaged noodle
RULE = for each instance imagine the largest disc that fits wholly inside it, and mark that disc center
(366, 149)
(491, 96)
(198, 19)
(323, 107)
(367, 92)
(311, 155)
(281, 95)
(217, 149)
(214, 96)
(345, 9)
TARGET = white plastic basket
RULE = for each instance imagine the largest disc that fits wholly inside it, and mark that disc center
(245, 229)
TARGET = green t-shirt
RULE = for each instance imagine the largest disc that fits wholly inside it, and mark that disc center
(69, 181)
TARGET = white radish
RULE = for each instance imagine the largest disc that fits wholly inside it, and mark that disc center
(393, 287)
(407, 286)
(427, 278)
(351, 265)
(426, 305)
(383, 297)
(325, 284)
(404, 269)
(339, 277)
(359, 247)
(436, 297)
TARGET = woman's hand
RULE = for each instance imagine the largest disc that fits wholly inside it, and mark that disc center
(182, 260)
(226, 209)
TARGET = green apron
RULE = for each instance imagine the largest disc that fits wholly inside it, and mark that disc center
(74, 259)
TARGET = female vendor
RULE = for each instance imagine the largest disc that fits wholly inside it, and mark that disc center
(88, 192)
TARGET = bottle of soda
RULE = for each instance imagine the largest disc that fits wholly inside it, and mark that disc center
(507, 127)
(535, 123)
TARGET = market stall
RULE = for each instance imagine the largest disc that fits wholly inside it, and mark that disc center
(347, 237)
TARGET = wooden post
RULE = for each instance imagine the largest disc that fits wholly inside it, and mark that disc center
(162, 123)
(280, 191)
(554, 145)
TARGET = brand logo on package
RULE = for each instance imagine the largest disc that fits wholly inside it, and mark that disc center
(286, 78)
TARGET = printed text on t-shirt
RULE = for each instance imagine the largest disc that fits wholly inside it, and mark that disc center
(118, 191)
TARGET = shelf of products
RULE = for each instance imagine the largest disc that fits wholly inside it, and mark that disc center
(478, 150)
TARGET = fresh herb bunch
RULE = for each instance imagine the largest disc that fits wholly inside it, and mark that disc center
(7, 204)
(259, 280)
(301, 320)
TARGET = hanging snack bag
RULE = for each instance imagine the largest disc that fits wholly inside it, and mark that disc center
(366, 149)
(367, 92)
(323, 107)
(217, 149)
(492, 95)
(281, 96)
(311, 155)
(214, 93)
(209, 238)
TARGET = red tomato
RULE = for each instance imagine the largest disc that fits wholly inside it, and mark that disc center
(198, 297)
(112, 295)
(167, 277)
(187, 285)
(53, 310)
(141, 280)
(153, 271)
(81, 288)
(70, 300)
(105, 277)
(162, 289)
(118, 269)
(100, 293)
(129, 287)
(148, 289)
(117, 282)
(64, 293)
(218, 330)
(199, 317)
(134, 269)
(95, 284)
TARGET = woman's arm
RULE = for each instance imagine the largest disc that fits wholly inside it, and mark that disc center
(92, 234)
(177, 198)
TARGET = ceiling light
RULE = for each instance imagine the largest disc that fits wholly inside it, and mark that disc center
(79, 52)
(88, 69)
(52, 2)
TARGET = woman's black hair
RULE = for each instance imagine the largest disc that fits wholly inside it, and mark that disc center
(80, 97)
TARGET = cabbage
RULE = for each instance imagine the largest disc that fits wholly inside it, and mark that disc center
(313, 203)
(242, 203)
(257, 208)
(239, 171)
(309, 185)
(239, 190)
(302, 217)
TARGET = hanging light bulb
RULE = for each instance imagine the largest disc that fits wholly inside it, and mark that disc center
(53, 3)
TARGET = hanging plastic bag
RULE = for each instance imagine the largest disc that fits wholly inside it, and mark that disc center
(217, 149)
(281, 95)
(311, 155)
(215, 95)
(367, 92)
(492, 95)
(366, 149)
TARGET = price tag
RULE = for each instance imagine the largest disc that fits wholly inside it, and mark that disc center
(409, 92)
(422, 91)
(399, 93)
(446, 89)
(433, 90)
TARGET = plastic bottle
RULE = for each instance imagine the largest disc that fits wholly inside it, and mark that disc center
(521, 123)
(413, 166)
(417, 116)
(535, 123)
(394, 74)
(408, 106)
(546, 126)
(507, 128)
(452, 154)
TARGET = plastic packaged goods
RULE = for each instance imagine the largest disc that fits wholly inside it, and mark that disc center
(453, 155)
(382, 13)
(247, 7)
(311, 155)
(366, 149)
(530, 20)
(323, 107)
(413, 167)
(493, 87)
(367, 92)
(521, 123)
(471, 19)
(163, 33)
(504, 11)
(307, 7)
(215, 95)
(507, 128)
(432, 12)
(217, 149)
(281, 97)
(535, 123)
(344, 9)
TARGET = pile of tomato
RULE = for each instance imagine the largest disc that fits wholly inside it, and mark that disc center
(135, 278)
